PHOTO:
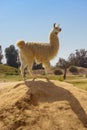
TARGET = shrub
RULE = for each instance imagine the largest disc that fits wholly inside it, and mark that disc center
(58, 72)
(73, 69)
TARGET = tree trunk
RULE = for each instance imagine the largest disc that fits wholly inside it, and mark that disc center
(65, 70)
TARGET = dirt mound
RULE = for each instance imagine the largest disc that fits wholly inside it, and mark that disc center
(42, 105)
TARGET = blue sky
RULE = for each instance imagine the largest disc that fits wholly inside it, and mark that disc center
(32, 20)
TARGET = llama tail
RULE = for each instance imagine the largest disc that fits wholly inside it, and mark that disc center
(21, 44)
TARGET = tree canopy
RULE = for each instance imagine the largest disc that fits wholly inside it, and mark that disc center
(11, 55)
(1, 56)
(79, 58)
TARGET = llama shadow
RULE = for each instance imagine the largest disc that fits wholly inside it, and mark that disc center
(49, 92)
(42, 91)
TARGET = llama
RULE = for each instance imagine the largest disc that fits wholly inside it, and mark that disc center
(40, 52)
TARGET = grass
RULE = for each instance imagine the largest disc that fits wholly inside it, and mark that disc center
(54, 77)
(7, 78)
(8, 73)
(81, 84)
(7, 70)
(78, 81)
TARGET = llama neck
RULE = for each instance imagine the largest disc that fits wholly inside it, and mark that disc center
(54, 43)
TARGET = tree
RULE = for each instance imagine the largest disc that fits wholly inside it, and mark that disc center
(62, 63)
(79, 58)
(1, 56)
(37, 66)
(11, 55)
(72, 59)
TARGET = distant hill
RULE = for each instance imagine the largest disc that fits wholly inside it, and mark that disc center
(8, 70)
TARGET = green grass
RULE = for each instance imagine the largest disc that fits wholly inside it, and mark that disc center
(8, 73)
(10, 78)
(54, 77)
(78, 81)
(82, 85)
(74, 77)
(7, 70)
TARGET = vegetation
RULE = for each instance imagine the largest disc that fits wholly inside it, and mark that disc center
(73, 69)
(1, 56)
(78, 81)
(11, 55)
(7, 70)
(79, 58)
(8, 73)
(58, 72)
(62, 63)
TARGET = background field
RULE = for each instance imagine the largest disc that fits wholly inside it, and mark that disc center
(8, 73)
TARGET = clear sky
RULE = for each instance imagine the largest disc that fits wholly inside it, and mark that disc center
(32, 20)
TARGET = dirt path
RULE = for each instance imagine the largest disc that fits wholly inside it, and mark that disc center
(42, 105)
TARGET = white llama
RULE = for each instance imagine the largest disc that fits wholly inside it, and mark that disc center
(40, 52)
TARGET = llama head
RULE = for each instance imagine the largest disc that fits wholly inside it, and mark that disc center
(56, 29)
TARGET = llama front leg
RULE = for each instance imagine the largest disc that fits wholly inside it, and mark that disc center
(47, 69)
(23, 65)
(22, 69)
(30, 64)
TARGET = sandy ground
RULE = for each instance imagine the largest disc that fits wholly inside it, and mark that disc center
(42, 105)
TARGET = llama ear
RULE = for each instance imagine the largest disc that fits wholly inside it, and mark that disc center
(54, 25)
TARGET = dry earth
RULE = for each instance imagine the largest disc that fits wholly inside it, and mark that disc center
(42, 105)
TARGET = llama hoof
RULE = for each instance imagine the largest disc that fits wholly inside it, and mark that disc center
(24, 78)
(34, 78)
(47, 79)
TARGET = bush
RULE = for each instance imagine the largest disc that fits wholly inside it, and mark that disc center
(73, 69)
(58, 72)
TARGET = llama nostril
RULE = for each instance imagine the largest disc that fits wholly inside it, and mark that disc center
(60, 29)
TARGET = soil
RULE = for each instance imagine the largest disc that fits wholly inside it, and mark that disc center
(42, 105)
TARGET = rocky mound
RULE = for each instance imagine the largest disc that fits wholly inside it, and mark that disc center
(42, 105)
